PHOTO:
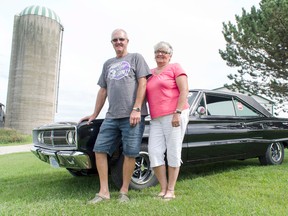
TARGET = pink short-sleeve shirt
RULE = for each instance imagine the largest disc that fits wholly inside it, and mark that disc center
(162, 92)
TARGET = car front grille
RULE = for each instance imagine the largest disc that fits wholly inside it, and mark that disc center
(55, 137)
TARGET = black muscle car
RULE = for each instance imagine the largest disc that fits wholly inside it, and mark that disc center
(222, 126)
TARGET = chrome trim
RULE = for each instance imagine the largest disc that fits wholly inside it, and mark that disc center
(66, 159)
(55, 137)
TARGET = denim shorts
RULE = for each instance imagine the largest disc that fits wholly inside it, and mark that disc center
(113, 129)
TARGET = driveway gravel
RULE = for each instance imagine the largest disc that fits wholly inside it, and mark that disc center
(15, 149)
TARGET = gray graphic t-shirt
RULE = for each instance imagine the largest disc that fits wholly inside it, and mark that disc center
(120, 78)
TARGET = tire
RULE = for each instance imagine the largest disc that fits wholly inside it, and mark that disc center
(79, 173)
(274, 154)
(143, 175)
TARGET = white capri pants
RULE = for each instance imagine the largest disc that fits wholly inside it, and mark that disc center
(162, 137)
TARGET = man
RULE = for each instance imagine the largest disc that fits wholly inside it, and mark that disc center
(2, 115)
(123, 81)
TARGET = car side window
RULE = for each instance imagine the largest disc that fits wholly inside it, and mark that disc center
(242, 110)
(218, 105)
(224, 105)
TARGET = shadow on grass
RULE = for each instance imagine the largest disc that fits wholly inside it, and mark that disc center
(200, 170)
(60, 181)
(26, 178)
(52, 184)
(194, 171)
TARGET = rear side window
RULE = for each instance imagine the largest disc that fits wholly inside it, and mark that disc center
(242, 110)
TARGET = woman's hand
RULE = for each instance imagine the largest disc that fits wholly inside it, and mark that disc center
(176, 120)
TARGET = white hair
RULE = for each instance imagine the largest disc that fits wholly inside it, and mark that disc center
(165, 46)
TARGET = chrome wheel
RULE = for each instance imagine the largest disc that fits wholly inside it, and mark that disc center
(274, 154)
(143, 173)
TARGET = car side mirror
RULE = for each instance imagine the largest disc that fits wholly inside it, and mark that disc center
(201, 110)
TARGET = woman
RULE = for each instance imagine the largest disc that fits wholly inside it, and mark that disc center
(166, 92)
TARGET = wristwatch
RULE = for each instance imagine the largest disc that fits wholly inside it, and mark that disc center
(178, 111)
(137, 109)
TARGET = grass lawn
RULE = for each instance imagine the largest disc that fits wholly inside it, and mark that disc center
(31, 187)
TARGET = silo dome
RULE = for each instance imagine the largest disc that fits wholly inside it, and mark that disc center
(40, 11)
(34, 69)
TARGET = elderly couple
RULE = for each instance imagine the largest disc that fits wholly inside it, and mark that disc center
(126, 80)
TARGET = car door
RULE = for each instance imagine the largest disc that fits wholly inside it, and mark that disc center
(218, 133)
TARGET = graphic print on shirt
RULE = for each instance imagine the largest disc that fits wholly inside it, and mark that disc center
(119, 70)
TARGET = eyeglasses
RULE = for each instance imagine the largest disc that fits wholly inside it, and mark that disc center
(118, 39)
(161, 51)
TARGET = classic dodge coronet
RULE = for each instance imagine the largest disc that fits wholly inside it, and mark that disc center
(222, 126)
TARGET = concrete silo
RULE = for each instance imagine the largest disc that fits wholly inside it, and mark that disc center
(34, 69)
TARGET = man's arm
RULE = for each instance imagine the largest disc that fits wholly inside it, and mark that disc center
(100, 101)
(141, 92)
(135, 117)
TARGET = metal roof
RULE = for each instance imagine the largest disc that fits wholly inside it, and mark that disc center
(41, 11)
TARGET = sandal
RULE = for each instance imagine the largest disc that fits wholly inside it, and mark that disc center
(98, 198)
(123, 197)
(160, 195)
(168, 198)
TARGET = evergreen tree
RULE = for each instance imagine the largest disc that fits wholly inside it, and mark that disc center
(258, 46)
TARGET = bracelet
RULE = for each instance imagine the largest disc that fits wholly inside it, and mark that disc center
(178, 111)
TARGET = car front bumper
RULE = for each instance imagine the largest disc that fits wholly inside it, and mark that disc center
(67, 159)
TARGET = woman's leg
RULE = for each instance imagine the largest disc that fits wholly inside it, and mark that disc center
(160, 173)
(173, 173)
(156, 150)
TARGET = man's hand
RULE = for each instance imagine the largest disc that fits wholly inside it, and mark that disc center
(87, 118)
(135, 118)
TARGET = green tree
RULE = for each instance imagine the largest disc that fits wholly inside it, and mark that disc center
(258, 46)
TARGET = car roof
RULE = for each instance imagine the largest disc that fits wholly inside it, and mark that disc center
(247, 99)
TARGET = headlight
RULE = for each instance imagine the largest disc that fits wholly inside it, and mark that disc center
(40, 137)
(70, 137)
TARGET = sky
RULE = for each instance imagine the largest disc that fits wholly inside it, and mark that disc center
(193, 28)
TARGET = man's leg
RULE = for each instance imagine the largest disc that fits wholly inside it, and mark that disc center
(131, 137)
(102, 167)
(128, 169)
